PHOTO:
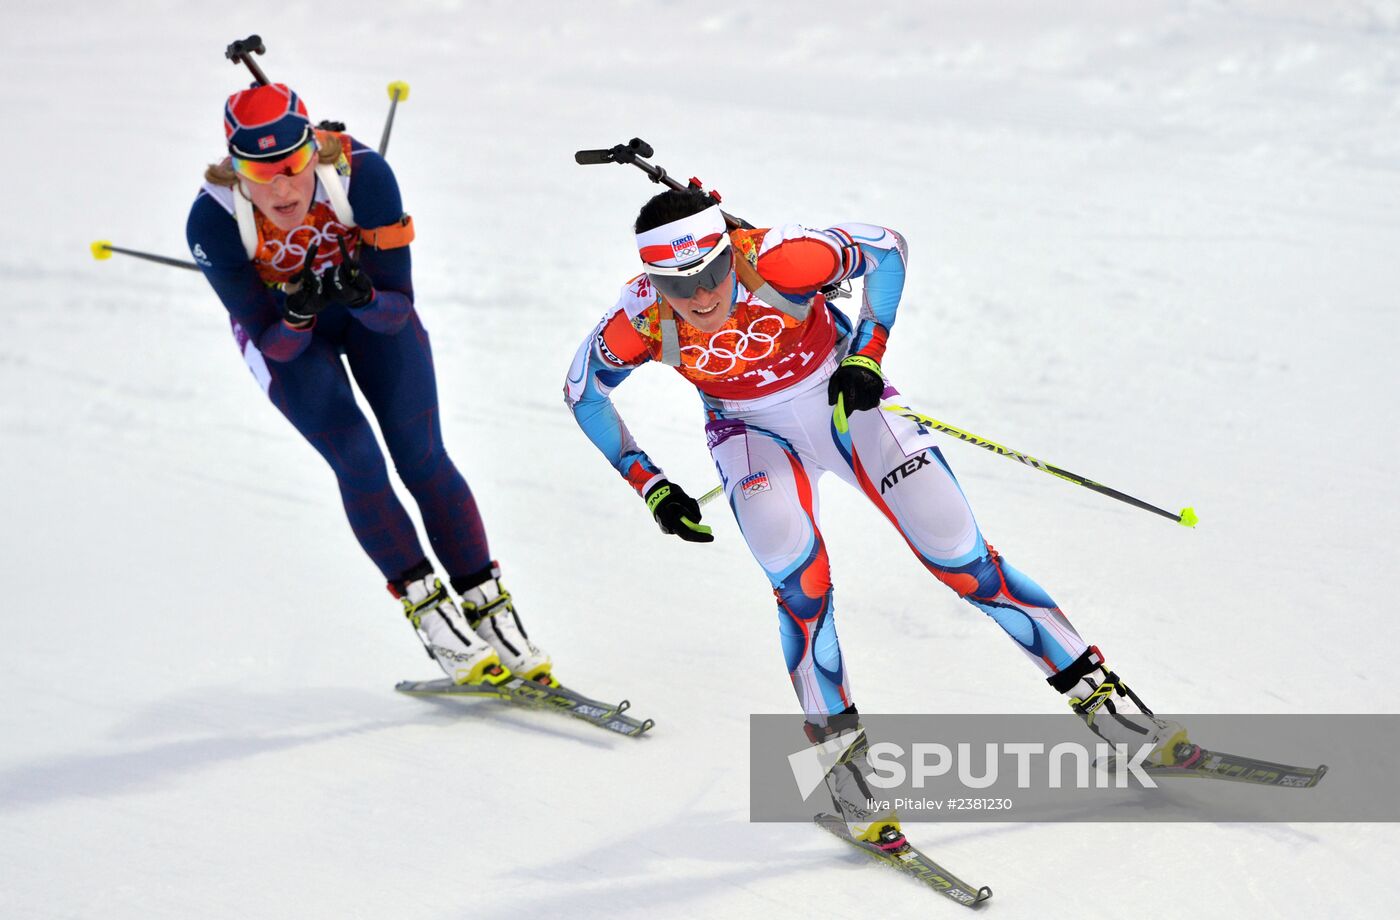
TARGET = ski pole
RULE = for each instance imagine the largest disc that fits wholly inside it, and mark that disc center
(1186, 518)
(103, 249)
(707, 497)
(242, 51)
(397, 90)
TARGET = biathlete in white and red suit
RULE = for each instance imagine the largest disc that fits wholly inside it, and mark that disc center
(741, 316)
(302, 234)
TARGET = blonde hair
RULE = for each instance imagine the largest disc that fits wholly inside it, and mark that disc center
(222, 173)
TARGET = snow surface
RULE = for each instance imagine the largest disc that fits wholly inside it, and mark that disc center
(1154, 243)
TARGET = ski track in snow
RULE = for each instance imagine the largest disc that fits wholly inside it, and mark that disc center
(1151, 243)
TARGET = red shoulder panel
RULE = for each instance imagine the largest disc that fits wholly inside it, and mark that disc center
(799, 266)
(620, 344)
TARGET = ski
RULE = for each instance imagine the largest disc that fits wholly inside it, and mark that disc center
(535, 695)
(908, 859)
(1237, 768)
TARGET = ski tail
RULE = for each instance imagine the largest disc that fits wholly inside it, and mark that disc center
(536, 695)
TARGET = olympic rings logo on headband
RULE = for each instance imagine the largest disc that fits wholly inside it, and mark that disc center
(716, 359)
(289, 254)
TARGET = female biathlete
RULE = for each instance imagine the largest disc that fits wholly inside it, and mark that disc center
(302, 235)
(741, 316)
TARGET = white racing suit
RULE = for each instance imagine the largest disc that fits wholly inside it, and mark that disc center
(763, 378)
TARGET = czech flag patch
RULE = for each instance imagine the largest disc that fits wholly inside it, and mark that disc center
(754, 484)
(683, 248)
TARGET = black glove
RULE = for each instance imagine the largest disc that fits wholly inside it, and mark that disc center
(858, 380)
(677, 513)
(305, 298)
(346, 284)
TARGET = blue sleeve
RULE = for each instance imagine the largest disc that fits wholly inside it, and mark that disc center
(374, 196)
(586, 392)
(882, 257)
(213, 239)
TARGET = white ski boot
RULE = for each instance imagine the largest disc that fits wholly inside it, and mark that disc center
(459, 651)
(488, 608)
(846, 782)
(1091, 690)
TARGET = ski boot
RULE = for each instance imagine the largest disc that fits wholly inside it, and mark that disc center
(846, 782)
(1091, 689)
(489, 611)
(450, 641)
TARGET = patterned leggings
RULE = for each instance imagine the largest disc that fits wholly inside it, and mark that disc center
(770, 455)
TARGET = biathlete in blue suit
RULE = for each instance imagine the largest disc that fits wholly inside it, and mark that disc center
(302, 234)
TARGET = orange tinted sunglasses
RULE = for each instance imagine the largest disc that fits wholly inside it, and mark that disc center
(264, 171)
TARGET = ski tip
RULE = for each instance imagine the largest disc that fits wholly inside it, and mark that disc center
(646, 726)
(624, 706)
(983, 894)
(1188, 518)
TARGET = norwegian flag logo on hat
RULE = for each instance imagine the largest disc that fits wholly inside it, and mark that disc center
(265, 122)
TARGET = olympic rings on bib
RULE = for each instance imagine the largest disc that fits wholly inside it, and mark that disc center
(743, 348)
(288, 255)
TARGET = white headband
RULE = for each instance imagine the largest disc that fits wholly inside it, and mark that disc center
(670, 247)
